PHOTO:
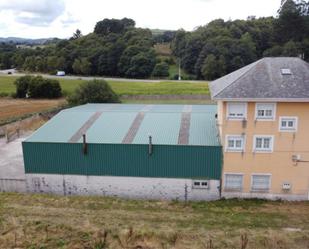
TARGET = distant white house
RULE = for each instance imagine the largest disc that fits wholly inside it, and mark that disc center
(60, 73)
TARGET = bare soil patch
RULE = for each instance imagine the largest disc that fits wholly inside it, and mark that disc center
(14, 108)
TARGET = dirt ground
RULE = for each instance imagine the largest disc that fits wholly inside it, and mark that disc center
(13, 108)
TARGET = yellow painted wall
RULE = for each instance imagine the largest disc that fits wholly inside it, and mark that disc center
(278, 163)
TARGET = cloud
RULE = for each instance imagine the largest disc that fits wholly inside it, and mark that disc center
(33, 12)
(68, 19)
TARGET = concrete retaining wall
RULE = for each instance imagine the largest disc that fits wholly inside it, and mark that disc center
(269, 196)
(127, 187)
(12, 185)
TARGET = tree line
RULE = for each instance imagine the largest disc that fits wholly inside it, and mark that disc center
(221, 47)
(116, 48)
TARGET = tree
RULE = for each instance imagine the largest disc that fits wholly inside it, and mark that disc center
(141, 65)
(37, 87)
(44, 88)
(179, 43)
(161, 70)
(77, 34)
(94, 91)
(109, 58)
(22, 85)
(107, 26)
(290, 49)
(290, 25)
(82, 66)
(194, 46)
(213, 68)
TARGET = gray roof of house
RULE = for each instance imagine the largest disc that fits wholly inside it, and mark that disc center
(263, 80)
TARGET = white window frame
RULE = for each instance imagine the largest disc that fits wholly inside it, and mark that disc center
(262, 150)
(261, 190)
(244, 104)
(201, 186)
(233, 189)
(288, 118)
(274, 105)
(242, 137)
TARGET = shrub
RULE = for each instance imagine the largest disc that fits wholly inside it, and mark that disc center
(94, 91)
(4, 94)
(22, 85)
(37, 87)
(160, 70)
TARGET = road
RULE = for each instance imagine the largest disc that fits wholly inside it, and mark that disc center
(72, 77)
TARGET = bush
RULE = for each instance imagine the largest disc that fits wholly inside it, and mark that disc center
(4, 94)
(161, 70)
(22, 85)
(37, 87)
(94, 91)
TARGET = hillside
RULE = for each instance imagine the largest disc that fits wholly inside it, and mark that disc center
(26, 41)
(45, 221)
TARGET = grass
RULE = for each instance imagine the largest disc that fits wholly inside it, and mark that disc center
(174, 70)
(46, 221)
(163, 49)
(167, 101)
(124, 88)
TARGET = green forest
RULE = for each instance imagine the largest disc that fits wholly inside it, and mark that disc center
(117, 48)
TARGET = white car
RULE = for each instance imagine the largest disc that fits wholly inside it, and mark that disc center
(60, 73)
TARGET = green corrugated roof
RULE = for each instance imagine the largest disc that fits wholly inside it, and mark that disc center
(114, 122)
(162, 126)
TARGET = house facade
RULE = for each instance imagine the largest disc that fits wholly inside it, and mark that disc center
(263, 122)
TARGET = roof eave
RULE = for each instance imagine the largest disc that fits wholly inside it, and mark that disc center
(302, 100)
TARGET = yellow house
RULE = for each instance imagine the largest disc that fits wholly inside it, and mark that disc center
(263, 123)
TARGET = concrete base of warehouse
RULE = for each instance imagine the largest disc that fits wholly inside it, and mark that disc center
(268, 196)
(125, 187)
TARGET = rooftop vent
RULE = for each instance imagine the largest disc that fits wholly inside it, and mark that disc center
(286, 71)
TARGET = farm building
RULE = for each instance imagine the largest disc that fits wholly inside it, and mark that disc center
(139, 151)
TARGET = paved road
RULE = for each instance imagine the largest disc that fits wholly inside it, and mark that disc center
(14, 73)
(11, 159)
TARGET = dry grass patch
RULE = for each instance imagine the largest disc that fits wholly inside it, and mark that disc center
(14, 108)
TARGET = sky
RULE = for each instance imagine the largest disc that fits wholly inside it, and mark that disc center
(60, 18)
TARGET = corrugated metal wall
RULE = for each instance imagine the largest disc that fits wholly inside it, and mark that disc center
(123, 160)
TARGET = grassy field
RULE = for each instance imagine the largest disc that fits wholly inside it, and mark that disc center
(168, 101)
(45, 221)
(14, 108)
(124, 88)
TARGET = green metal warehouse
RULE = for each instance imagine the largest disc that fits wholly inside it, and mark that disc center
(138, 151)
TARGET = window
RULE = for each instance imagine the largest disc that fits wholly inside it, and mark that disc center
(263, 143)
(265, 111)
(233, 182)
(260, 183)
(288, 124)
(286, 71)
(200, 184)
(237, 111)
(235, 143)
